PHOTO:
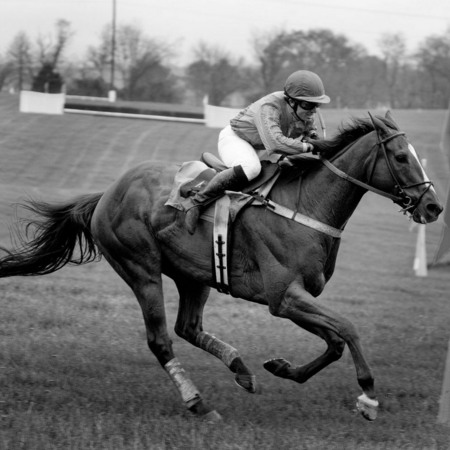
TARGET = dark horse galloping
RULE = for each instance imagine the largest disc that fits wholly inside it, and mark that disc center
(274, 261)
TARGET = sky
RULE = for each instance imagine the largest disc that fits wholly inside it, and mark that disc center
(227, 24)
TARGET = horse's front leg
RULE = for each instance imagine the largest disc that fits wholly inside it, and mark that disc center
(189, 326)
(299, 306)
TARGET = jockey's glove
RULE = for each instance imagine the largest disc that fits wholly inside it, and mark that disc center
(307, 147)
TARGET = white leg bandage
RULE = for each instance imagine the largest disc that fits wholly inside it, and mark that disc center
(186, 388)
(225, 352)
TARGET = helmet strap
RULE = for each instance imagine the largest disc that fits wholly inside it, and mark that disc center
(289, 100)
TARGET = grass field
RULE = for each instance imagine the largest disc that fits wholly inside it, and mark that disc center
(75, 371)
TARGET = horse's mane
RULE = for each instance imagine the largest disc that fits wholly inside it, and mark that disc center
(347, 134)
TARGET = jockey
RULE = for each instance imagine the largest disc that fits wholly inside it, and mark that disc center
(278, 123)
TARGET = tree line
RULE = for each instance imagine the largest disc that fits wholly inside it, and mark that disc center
(143, 70)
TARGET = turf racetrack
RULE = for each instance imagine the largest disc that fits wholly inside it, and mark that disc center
(75, 371)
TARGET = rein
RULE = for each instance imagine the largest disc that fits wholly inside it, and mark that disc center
(343, 175)
(403, 199)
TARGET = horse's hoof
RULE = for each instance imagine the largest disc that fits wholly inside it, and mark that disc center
(246, 382)
(277, 366)
(212, 417)
(368, 407)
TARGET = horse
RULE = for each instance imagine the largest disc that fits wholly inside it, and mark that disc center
(273, 260)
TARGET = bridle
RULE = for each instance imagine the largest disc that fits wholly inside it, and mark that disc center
(401, 197)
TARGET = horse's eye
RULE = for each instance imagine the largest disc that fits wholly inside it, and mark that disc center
(401, 158)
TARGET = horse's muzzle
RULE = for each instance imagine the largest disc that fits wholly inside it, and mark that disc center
(427, 212)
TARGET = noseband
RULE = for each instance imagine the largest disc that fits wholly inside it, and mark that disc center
(406, 201)
(402, 198)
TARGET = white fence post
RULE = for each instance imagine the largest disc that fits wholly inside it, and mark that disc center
(444, 402)
(420, 259)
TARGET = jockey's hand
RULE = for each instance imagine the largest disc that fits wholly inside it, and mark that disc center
(313, 135)
(285, 162)
(307, 147)
(293, 160)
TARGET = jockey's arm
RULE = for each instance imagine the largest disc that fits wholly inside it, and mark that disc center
(268, 125)
(306, 147)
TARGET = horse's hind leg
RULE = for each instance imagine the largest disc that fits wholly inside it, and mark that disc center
(141, 269)
(193, 297)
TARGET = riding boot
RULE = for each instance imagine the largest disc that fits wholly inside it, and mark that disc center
(233, 178)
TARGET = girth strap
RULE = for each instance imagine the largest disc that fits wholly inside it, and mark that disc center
(299, 218)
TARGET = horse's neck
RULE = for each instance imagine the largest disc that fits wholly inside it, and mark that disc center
(323, 195)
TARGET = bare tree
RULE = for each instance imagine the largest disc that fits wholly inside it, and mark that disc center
(393, 48)
(433, 59)
(6, 69)
(319, 50)
(98, 62)
(214, 73)
(267, 47)
(141, 62)
(137, 55)
(49, 51)
(19, 54)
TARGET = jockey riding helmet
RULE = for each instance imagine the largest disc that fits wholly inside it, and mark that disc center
(304, 85)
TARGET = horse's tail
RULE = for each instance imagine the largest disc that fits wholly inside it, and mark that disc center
(56, 235)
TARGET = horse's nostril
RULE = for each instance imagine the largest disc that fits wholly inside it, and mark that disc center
(435, 208)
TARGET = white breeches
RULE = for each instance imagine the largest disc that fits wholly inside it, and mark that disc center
(234, 151)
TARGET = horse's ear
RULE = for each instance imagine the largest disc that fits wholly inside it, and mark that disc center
(379, 126)
(391, 119)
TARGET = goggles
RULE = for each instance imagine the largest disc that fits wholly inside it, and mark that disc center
(307, 106)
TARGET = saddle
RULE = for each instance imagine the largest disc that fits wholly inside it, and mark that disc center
(188, 188)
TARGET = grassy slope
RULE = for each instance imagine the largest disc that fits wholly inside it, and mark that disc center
(74, 368)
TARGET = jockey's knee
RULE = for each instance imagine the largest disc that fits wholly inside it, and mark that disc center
(251, 170)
